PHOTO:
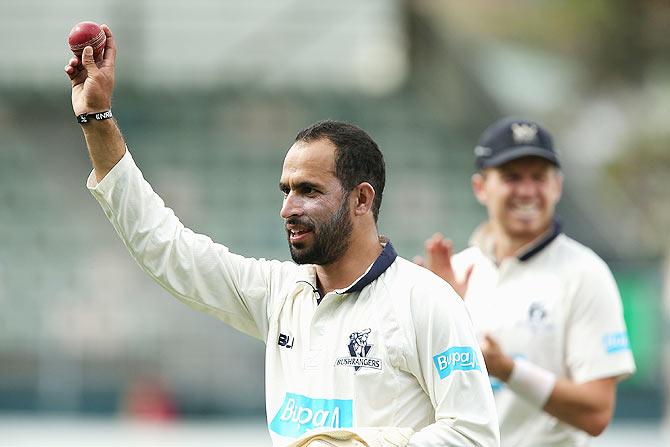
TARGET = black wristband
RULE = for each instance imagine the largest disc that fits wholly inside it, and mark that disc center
(98, 116)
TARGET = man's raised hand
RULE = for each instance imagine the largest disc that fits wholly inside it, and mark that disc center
(93, 84)
(438, 260)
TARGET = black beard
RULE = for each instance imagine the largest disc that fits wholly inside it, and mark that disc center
(331, 239)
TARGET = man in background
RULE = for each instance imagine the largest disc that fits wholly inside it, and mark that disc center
(353, 348)
(547, 309)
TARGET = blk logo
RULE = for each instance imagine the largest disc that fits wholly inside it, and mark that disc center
(286, 341)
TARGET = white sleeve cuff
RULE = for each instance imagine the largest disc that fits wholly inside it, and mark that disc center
(533, 383)
(93, 184)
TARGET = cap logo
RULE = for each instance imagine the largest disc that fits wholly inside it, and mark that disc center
(482, 151)
(523, 133)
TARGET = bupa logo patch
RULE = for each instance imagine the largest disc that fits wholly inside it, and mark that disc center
(299, 413)
(358, 348)
(615, 342)
(458, 358)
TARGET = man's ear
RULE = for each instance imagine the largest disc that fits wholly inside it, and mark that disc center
(363, 195)
(478, 180)
(559, 184)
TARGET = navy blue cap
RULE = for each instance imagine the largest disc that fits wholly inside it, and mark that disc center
(511, 138)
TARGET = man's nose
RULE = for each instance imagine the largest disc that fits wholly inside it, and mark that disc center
(526, 187)
(291, 206)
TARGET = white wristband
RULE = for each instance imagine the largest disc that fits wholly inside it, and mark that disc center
(531, 382)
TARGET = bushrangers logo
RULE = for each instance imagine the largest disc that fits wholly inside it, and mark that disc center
(359, 348)
(537, 314)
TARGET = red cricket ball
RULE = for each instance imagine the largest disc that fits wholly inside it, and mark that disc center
(86, 34)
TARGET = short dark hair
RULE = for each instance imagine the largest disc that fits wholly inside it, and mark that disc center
(357, 156)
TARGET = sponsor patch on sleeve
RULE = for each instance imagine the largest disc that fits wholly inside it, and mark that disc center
(458, 358)
(616, 342)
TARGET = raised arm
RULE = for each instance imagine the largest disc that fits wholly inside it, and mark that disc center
(193, 268)
(92, 88)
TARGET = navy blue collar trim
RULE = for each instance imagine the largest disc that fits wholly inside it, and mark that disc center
(383, 262)
(542, 243)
